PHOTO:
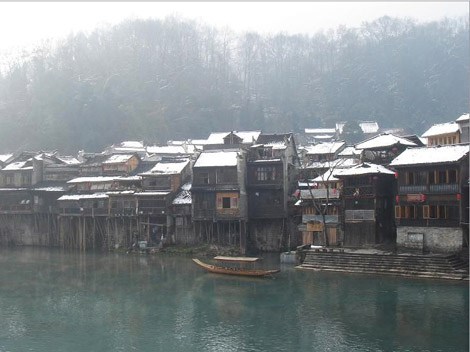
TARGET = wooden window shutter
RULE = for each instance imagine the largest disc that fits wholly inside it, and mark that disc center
(219, 202)
(397, 212)
(234, 203)
(425, 211)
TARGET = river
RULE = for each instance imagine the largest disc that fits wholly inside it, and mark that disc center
(51, 300)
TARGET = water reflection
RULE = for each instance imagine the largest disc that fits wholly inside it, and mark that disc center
(54, 300)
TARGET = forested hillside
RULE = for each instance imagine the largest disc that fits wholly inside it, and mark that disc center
(155, 80)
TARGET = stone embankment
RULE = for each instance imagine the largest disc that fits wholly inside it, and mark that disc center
(453, 267)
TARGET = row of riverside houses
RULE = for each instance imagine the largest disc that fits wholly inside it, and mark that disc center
(389, 189)
(247, 189)
(208, 191)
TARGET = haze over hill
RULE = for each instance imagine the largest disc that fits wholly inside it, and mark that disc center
(156, 80)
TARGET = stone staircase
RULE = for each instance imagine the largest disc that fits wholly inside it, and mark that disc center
(431, 266)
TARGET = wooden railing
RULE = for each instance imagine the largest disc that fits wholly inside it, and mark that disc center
(441, 188)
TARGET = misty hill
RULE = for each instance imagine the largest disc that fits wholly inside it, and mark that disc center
(156, 80)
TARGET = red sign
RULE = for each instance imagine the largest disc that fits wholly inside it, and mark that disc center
(415, 197)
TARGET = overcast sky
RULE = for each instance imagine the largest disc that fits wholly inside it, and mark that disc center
(23, 24)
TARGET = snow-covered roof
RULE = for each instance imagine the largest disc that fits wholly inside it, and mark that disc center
(217, 158)
(171, 149)
(94, 179)
(84, 196)
(246, 136)
(464, 117)
(369, 126)
(337, 164)
(69, 160)
(363, 169)
(384, 141)
(320, 131)
(276, 145)
(323, 136)
(431, 155)
(350, 151)
(184, 197)
(324, 148)
(118, 158)
(131, 144)
(366, 126)
(16, 166)
(152, 194)
(164, 168)
(128, 178)
(5, 157)
(266, 160)
(51, 189)
(120, 193)
(441, 129)
(326, 177)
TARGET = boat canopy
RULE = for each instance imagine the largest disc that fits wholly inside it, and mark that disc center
(236, 259)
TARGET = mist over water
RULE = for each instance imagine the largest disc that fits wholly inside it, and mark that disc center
(65, 301)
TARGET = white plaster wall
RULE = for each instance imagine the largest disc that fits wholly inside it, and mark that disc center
(436, 239)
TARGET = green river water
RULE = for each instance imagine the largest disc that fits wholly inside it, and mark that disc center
(65, 301)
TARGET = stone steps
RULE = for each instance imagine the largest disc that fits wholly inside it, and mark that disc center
(445, 267)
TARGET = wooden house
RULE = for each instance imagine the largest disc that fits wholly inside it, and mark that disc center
(271, 179)
(443, 134)
(153, 209)
(320, 203)
(160, 184)
(183, 229)
(91, 164)
(233, 139)
(318, 135)
(383, 148)
(120, 164)
(219, 197)
(167, 175)
(323, 152)
(16, 201)
(127, 147)
(367, 194)
(431, 208)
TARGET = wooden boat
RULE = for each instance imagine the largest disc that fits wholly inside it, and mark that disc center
(227, 270)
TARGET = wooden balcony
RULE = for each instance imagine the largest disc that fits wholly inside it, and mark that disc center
(152, 210)
(122, 212)
(79, 211)
(321, 193)
(16, 209)
(429, 189)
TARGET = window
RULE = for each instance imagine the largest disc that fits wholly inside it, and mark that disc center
(405, 212)
(9, 179)
(265, 173)
(410, 179)
(26, 179)
(227, 201)
(452, 176)
(431, 178)
(204, 178)
(442, 176)
(179, 221)
(435, 212)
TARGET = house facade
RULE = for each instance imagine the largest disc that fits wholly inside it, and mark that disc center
(219, 197)
(271, 180)
(367, 205)
(431, 210)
